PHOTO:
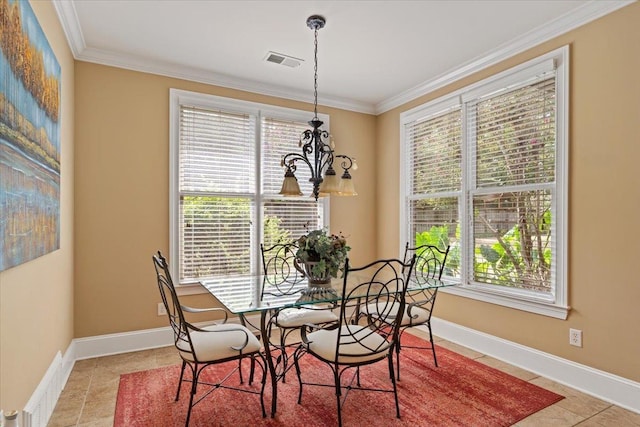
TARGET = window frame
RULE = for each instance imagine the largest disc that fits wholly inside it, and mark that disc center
(557, 304)
(178, 97)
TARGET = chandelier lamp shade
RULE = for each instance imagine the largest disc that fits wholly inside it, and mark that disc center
(318, 149)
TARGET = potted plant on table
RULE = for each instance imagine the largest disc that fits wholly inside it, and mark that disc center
(320, 256)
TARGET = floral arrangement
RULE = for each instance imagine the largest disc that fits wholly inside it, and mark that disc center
(328, 252)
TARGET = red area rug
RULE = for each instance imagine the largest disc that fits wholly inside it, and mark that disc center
(460, 392)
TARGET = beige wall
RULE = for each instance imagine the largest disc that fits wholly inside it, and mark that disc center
(36, 298)
(604, 201)
(122, 196)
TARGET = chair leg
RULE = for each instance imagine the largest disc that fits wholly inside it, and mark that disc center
(297, 365)
(264, 383)
(398, 356)
(283, 340)
(391, 368)
(240, 370)
(336, 377)
(252, 369)
(180, 380)
(433, 347)
(194, 386)
(393, 380)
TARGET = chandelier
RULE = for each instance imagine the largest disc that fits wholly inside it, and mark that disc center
(316, 153)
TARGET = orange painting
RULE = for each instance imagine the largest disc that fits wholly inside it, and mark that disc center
(29, 138)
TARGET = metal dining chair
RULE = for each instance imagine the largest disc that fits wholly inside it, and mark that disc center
(202, 347)
(429, 265)
(356, 340)
(282, 278)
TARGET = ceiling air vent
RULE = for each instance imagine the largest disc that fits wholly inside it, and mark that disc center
(278, 58)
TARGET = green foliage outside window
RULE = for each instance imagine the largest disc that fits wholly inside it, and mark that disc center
(514, 259)
(274, 232)
(216, 236)
(438, 236)
(521, 257)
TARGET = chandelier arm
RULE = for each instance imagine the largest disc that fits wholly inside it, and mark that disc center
(315, 146)
(289, 161)
(323, 151)
(323, 157)
(345, 164)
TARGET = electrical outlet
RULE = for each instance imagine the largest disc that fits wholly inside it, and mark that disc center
(161, 310)
(575, 337)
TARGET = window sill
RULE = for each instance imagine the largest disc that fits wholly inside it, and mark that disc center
(190, 289)
(537, 307)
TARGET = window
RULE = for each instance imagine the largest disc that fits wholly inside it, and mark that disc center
(225, 180)
(485, 173)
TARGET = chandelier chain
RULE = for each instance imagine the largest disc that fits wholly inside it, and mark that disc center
(315, 75)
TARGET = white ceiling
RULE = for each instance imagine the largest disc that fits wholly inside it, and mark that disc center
(372, 55)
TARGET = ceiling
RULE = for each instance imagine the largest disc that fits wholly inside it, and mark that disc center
(372, 55)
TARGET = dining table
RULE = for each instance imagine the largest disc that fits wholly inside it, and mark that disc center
(249, 295)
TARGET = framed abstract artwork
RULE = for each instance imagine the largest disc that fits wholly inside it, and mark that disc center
(29, 138)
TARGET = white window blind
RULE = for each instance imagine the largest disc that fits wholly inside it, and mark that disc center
(215, 236)
(514, 136)
(435, 152)
(217, 152)
(435, 172)
(217, 159)
(227, 158)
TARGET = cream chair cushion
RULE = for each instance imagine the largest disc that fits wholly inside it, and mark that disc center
(297, 316)
(218, 341)
(386, 311)
(354, 350)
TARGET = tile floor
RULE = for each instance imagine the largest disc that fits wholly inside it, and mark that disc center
(89, 397)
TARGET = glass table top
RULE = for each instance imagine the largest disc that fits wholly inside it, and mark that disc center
(245, 293)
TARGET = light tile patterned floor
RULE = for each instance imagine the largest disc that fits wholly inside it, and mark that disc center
(89, 397)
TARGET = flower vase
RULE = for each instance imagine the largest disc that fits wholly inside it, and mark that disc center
(315, 281)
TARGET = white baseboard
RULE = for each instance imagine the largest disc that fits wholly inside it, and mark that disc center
(603, 385)
(125, 342)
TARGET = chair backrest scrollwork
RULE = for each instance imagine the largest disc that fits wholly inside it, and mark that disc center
(429, 266)
(182, 338)
(430, 262)
(280, 275)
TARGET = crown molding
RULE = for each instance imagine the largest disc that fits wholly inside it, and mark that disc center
(205, 76)
(69, 19)
(583, 15)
